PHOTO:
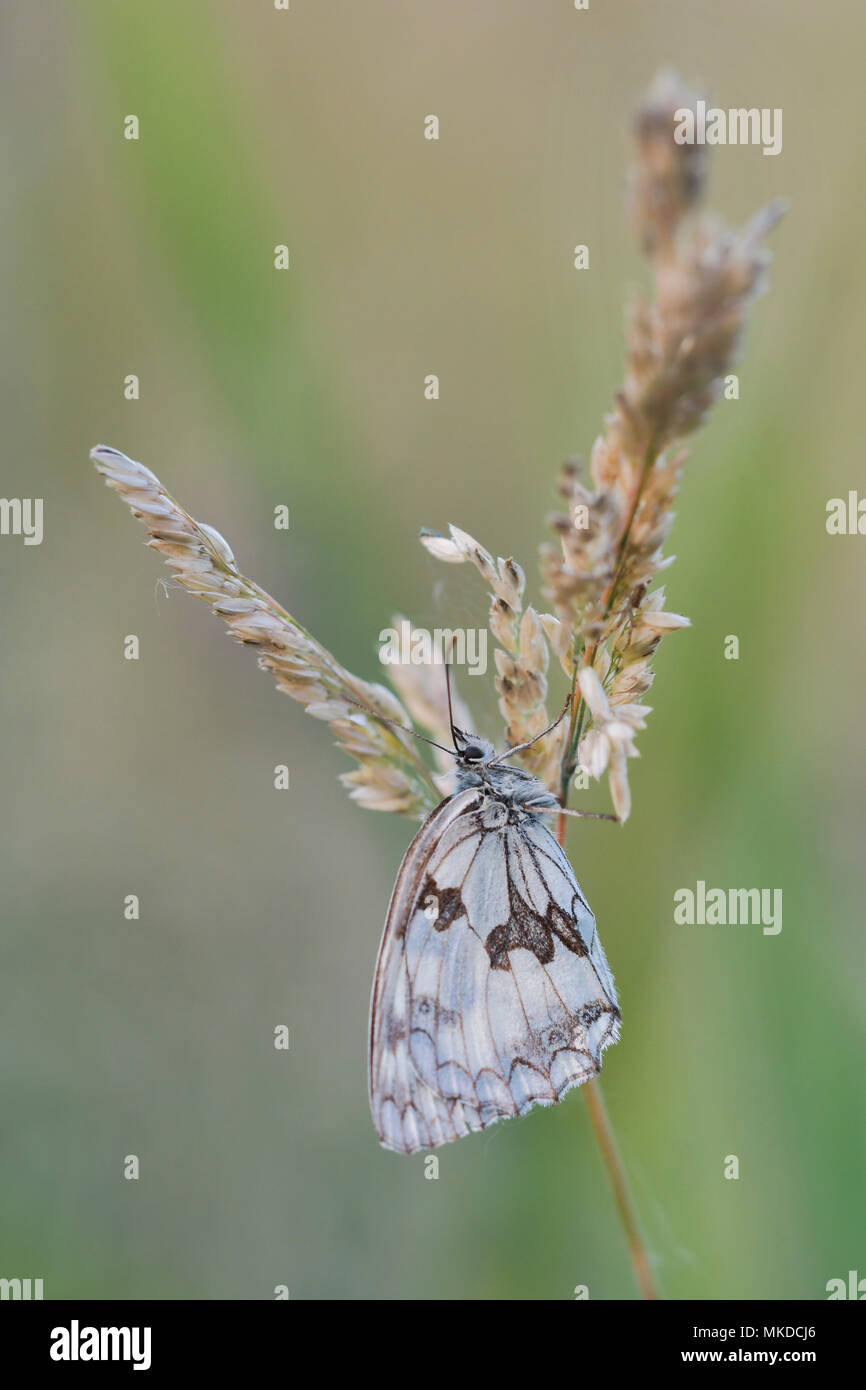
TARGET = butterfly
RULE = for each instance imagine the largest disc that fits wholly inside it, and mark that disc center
(492, 993)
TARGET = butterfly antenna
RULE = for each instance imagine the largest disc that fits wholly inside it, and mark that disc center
(448, 691)
(392, 723)
(519, 747)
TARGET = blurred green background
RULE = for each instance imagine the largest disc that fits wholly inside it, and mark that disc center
(409, 257)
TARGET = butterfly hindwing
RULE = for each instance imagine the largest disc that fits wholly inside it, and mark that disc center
(492, 992)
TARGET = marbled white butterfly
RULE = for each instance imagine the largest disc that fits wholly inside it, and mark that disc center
(492, 993)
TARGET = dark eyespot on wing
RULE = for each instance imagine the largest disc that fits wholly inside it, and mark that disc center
(533, 933)
(441, 905)
(526, 926)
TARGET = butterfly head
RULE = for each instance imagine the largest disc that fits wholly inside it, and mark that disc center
(472, 752)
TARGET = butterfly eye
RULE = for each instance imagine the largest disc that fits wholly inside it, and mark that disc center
(472, 753)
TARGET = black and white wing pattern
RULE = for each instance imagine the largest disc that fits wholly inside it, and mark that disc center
(492, 993)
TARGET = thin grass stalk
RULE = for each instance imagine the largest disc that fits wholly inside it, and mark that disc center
(611, 1160)
(615, 1169)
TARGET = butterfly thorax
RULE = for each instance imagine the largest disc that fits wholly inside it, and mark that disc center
(518, 792)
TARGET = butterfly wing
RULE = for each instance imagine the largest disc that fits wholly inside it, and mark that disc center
(492, 993)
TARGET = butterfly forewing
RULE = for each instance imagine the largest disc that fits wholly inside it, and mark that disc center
(492, 992)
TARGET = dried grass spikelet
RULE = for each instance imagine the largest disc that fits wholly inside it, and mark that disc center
(607, 620)
(679, 348)
(666, 180)
(391, 776)
(522, 654)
